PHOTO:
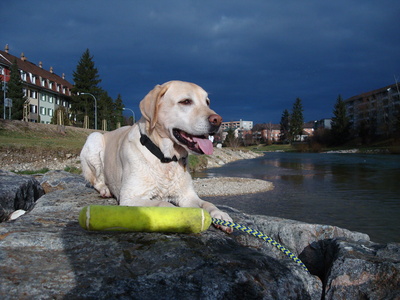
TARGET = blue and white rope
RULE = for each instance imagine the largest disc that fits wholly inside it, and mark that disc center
(261, 236)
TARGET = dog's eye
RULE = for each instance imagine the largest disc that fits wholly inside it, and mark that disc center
(186, 102)
(208, 102)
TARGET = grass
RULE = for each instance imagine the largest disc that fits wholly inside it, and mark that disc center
(41, 139)
(197, 162)
(73, 170)
(273, 147)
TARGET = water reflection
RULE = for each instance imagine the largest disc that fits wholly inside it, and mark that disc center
(358, 192)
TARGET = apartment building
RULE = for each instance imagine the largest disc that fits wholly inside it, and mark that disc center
(45, 90)
(241, 125)
(378, 108)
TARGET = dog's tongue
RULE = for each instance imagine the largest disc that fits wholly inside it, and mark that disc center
(205, 145)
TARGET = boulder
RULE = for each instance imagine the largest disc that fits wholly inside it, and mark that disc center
(17, 193)
(46, 255)
(361, 270)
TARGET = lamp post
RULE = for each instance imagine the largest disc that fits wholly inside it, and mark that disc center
(3, 71)
(133, 113)
(95, 108)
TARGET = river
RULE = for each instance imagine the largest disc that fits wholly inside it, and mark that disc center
(360, 192)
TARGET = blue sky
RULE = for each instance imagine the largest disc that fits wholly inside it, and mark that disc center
(253, 57)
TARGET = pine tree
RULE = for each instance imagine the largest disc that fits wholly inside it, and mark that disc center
(285, 123)
(340, 123)
(15, 92)
(118, 109)
(86, 79)
(296, 120)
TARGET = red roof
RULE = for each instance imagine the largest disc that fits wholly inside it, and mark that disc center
(7, 60)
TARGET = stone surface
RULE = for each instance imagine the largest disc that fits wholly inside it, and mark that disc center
(46, 255)
(17, 193)
(363, 271)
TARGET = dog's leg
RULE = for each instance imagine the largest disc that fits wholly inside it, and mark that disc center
(92, 157)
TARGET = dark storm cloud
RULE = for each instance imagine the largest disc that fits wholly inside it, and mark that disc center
(253, 57)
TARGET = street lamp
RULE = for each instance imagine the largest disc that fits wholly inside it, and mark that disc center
(133, 113)
(95, 108)
(3, 71)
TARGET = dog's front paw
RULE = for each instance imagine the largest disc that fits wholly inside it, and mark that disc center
(217, 214)
(105, 192)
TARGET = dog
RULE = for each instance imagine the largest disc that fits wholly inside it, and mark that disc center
(146, 164)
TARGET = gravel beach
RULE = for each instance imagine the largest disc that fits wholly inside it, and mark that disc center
(228, 186)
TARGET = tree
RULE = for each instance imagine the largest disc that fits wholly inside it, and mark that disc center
(118, 108)
(15, 92)
(296, 120)
(86, 79)
(105, 108)
(60, 117)
(285, 123)
(340, 125)
(231, 140)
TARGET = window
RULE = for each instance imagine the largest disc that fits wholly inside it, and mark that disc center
(43, 82)
(43, 110)
(33, 94)
(58, 87)
(50, 112)
(25, 92)
(33, 109)
(33, 79)
(23, 75)
(43, 97)
(51, 85)
(51, 99)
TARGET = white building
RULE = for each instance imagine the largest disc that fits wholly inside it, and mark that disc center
(241, 125)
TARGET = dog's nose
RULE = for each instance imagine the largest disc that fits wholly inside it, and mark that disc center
(215, 120)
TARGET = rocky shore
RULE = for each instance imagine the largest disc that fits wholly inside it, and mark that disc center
(44, 254)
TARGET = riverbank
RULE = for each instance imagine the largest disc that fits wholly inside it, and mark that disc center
(28, 146)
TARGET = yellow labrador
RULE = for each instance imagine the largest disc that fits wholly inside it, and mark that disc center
(145, 164)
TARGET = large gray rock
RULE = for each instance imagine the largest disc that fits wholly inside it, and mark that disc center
(17, 193)
(46, 255)
(363, 271)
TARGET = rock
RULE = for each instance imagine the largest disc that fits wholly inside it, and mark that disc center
(44, 254)
(361, 270)
(16, 214)
(60, 180)
(67, 261)
(17, 192)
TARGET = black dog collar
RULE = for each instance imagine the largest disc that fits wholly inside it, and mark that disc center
(145, 141)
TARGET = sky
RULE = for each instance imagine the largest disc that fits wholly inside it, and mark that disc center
(254, 58)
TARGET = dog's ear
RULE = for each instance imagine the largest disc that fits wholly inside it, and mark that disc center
(150, 104)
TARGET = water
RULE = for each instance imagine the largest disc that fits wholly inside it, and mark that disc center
(354, 191)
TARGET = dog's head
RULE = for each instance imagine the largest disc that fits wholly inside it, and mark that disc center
(181, 111)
